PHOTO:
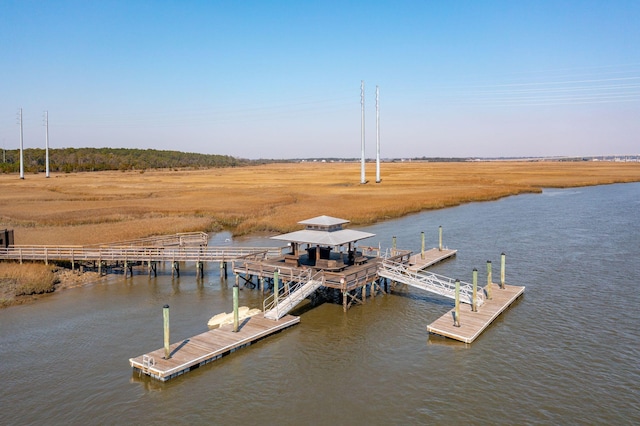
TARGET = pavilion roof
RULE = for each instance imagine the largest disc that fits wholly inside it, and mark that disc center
(332, 235)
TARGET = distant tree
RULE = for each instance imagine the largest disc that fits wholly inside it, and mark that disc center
(98, 159)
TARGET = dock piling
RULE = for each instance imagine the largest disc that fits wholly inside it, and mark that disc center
(440, 237)
(276, 288)
(503, 262)
(422, 252)
(489, 279)
(474, 301)
(456, 321)
(235, 307)
(165, 316)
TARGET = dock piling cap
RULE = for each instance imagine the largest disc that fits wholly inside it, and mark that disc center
(166, 306)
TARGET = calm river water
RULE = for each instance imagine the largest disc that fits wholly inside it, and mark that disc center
(568, 352)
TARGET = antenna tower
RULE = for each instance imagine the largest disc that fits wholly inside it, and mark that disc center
(21, 148)
(377, 135)
(362, 176)
(46, 141)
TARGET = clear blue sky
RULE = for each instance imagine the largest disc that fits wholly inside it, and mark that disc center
(281, 79)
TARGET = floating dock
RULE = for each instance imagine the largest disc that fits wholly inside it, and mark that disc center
(472, 324)
(207, 347)
(430, 257)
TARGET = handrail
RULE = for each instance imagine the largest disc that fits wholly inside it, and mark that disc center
(287, 291)
(130, 253)
(181, 239)
(431, 282)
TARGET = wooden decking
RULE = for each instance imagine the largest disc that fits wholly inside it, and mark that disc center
(431, 257)
(472, 324)
(209, 346)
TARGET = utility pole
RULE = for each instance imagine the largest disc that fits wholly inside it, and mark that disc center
(21, 149)
(377, 135)
(46, 123)
(362, 176)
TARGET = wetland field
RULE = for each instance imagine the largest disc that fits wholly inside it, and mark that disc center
(102, 207)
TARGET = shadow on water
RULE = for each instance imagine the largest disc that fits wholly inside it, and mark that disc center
(423, 297)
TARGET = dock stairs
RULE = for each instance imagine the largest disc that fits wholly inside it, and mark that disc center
(291, 294)
(428, 281)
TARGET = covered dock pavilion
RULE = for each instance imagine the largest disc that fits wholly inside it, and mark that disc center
(324, 244)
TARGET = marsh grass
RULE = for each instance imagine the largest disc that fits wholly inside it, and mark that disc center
(24, 280)
(86, 208)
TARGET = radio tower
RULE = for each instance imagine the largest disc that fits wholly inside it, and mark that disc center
(21, 148)
(46, 141)
(377, 136)
(362, 177)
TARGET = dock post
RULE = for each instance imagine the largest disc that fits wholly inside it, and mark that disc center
(503, 261)
(393, 242)
(474, 301)
(165, 316)
(223, 269)
(275, 288)
(422, 252)
(440, 237)
(235, 307)
(261, 279)
(456, 321)
(489, 279)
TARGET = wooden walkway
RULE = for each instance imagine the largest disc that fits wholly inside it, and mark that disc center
(209, 346)
(133, 254)
(472, 324)
(431, 257)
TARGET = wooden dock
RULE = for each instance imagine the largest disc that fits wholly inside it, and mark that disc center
(472, 324)
(432, 256)
(209, 346)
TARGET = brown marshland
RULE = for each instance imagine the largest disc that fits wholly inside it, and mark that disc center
(84, 208)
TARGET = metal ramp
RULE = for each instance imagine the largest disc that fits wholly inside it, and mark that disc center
(291, 294)
(428, 281)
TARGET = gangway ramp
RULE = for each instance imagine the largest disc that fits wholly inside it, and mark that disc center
(291, 294)
(428, 281)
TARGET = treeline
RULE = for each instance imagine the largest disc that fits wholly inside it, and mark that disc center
(69, 160)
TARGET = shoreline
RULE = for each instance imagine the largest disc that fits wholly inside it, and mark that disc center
(64, 279)
(102, 207)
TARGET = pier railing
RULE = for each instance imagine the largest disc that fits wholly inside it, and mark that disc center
(182, 239)
(429, 281)
(292, 293)
(132, 254)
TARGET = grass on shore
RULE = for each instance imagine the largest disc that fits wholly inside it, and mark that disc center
(28, 279)
(87, 208)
